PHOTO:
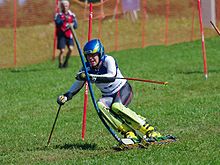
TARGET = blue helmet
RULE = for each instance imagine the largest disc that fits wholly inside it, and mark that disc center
(94, 46)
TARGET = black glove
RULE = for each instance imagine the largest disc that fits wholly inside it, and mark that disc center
(61, 99)
(81, 76)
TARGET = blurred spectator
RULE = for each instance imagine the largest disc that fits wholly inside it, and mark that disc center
(64, 19)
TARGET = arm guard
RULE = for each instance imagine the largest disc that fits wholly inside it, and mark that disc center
(104, 79)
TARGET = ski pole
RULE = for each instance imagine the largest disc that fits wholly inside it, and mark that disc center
(144, 80)
(215, 27)
(48, 142)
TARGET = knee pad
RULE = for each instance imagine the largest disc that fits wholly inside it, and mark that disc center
(116, 107)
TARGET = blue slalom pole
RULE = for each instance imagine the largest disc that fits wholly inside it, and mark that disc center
(90, 88)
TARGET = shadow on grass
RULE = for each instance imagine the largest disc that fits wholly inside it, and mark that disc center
(79, 146)
(82, 146)
(200, 72)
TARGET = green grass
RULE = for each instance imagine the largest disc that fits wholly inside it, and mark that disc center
(187, 108)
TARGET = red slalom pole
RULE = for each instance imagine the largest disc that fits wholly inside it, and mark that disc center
(203, 40)
(86, 85)
(84, 111)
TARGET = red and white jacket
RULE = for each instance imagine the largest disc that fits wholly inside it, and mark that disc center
(63, 21)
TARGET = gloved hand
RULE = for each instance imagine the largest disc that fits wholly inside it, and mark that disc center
(61, 99)
(67, 25)
(81, 76)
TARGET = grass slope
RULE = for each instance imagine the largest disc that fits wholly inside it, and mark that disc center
(188, 108)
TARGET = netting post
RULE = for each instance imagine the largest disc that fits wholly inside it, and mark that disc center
(85, 17)
(15, 28)
(100, 19)
(55, 32)
(203, 40)
(167, 20)
(144, 15)
(116, 25)
(193, 17)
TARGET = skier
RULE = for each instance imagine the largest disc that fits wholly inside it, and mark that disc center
(116, 95)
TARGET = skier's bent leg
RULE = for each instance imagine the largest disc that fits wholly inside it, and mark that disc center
(116, 123)
(138, 122)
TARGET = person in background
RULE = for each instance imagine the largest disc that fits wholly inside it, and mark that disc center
(63, 20)
(116, 95)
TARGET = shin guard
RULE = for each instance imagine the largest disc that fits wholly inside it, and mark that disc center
(112, 120)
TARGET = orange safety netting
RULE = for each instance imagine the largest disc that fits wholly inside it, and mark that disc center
(27, 27)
